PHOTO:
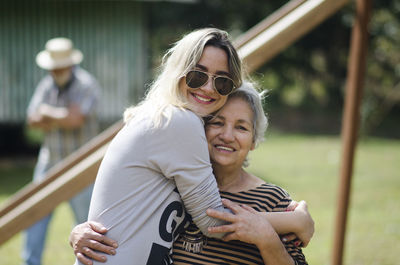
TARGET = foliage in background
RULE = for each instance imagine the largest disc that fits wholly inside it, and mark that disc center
(307, 80)
(382, 89)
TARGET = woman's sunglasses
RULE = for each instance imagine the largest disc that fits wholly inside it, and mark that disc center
(222, 84)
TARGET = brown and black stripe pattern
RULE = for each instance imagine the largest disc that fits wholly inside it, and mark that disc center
(265, 198)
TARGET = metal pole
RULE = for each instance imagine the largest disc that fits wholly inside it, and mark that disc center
(354, 86)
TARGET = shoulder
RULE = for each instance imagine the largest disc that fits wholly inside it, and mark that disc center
(84, 77)
(272, 188)
(183, 119)
(263, 198)
(45, 83)
(274, 197)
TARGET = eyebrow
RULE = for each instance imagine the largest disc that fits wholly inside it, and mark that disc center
(202, 67)
(240, 121)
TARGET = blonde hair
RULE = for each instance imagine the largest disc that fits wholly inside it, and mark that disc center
(177, 61)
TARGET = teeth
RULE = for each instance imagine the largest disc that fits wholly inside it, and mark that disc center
(225, 148)
(202, 99)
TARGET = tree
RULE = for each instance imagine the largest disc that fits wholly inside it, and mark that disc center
(307, 79)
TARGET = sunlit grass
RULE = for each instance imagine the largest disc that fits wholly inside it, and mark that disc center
(57, 251)
(13, 175)
(308, 168)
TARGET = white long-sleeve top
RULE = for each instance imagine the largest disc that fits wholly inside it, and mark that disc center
(144, 177)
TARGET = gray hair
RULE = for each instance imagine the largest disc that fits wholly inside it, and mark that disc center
(248, 93)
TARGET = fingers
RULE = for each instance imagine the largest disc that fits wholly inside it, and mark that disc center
(302, 205)
(228, 217)
(83, 259)
(85, 240)
(231, 205)
(101, 242)
(225, 216)
(234, 207)
(221, 229)
(94, 232)
(101, 246)
(248, 208)
(228, 229)
(229, 237)
(302, 244)
(89, 253)
(295, 240)
(289, 237)
(98, 227)
(298, 243)
(293, 205)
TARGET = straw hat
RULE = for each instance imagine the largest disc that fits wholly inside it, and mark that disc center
(59, 53)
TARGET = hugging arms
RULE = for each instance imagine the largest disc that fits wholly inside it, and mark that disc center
(261, 215)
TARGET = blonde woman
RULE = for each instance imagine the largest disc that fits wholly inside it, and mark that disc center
(158, 166)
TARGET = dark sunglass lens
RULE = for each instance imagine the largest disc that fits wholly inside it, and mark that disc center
(223, 85)
(196, 79)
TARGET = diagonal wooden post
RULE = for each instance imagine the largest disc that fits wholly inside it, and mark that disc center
(46, 199)
(351, 117)
(61, 168)
(298, 18)
(63, 181)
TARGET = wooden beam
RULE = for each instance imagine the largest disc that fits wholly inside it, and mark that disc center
(286, 30)
(267, 22)
(351, 118)
(61, 168)
(46, 199)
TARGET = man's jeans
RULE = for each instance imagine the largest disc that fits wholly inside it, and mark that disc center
(35, 236)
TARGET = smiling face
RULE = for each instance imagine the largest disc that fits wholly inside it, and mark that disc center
(230, 134)
(205, 100)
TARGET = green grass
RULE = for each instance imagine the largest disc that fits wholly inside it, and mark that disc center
(13, 176)
(308, 168)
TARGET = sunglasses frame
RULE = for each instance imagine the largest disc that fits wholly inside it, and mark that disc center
(213, 77)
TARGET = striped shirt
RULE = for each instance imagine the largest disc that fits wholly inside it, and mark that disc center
(265, 198)
(83, 90)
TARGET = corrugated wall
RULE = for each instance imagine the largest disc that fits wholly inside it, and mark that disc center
(111, 35)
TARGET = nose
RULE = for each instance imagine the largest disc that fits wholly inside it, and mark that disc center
(227, 134)
(208, 86)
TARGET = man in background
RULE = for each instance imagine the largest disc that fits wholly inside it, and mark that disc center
(63, 107)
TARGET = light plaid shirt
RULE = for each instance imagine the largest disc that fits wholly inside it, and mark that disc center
(83, 90)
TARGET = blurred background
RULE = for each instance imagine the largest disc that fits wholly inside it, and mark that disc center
(123, 42)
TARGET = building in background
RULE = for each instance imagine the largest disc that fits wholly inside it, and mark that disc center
(111, 34)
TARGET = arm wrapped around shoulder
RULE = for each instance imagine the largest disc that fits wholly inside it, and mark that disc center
(205, 196)
(183, 156)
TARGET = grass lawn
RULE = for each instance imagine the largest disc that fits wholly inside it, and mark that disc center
(308, 168)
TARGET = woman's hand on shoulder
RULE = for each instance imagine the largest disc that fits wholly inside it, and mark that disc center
(88, 237)
(245, 224)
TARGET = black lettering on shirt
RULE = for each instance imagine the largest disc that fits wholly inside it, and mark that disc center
(173, 206)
